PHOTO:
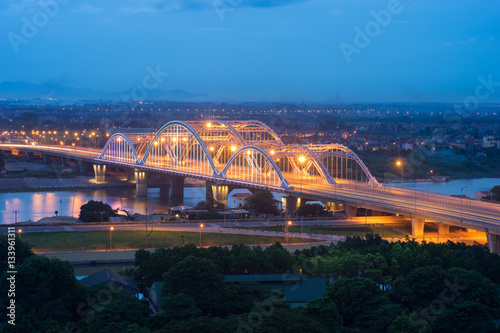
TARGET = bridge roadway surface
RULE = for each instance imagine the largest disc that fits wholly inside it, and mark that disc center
(459, 212)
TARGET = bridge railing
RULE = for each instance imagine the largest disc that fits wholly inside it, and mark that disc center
(387, 204)
(424, 196)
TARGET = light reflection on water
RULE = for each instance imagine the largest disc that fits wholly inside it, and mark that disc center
(36, 205)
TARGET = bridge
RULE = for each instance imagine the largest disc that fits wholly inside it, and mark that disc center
(229, 154)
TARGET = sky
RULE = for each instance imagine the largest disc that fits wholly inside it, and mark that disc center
(259, 50)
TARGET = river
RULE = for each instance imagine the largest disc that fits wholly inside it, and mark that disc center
(36, 205)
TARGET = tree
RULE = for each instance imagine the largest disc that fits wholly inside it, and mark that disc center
(95, 211)
(261, 202)
(353, 296)
(324, 311)
(311, 210)
(200, 279)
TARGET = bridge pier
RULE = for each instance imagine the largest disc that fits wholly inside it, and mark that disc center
(130, 175)
(443, 229)
(100, 173)
(493, 242)
(141, 184)
(218, 193)
(46, 158)
(351, 211)
(417, 227)
(84, 167)
(177, 189)
(30, 156)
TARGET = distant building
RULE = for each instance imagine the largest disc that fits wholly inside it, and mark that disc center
(489, 142)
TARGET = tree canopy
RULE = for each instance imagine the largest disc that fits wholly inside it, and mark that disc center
(96, 211)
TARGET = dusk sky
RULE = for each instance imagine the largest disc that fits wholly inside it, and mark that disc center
(276, 50)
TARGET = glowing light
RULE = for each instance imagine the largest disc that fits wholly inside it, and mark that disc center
(248, 152)
(211, 148)
(272, 152)
(398, 163)
(209, 124)
(112, 228)
(174, 139)
(302, 159)
(289, 222)
(184, 139)
(156, 143)
(201, 225)
(233, 148)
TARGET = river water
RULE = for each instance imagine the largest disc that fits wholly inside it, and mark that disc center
(36, 205)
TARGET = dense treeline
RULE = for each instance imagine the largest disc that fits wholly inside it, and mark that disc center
(373, 286)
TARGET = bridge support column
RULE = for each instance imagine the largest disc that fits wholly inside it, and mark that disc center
(290, 205)
(100, 173)
(46, 158)
(443, 229)
(417, 227)
(493, 242)
(30, 156)
(130, 175)
(351, 211)
(64, 162)
(141, 184)
(84, 167)
(177, 188)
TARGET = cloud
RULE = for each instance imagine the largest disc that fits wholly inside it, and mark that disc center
(88, 9)
(170, 6)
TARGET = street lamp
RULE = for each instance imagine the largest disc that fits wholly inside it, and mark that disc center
(461, 198)
(20, 231)
(110, 244)
(201, 227)
(399, 164)
(286, 230)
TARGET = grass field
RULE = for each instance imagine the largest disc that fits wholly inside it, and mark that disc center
(130, 239)
(384, 230)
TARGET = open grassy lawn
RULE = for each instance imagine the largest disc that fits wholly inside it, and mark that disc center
(384, 230)
(131, 239)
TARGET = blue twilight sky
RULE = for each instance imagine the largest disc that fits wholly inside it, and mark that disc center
(263, 50)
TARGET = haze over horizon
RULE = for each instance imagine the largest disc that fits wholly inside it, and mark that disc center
(286, 50)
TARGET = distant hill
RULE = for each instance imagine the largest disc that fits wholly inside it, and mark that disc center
(26, 90)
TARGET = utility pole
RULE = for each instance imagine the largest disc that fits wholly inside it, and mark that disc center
(146, 227)
(15, 218)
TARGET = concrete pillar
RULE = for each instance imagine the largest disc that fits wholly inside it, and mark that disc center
(30, 155)
(177, 188)
(493, 242)
(290, 204)
(84, 167)
(100, 173)
(64, 162)
(130, 175)
(443, 229)
(141, 183)
(46, 158)
(417, 227)
(351, 211)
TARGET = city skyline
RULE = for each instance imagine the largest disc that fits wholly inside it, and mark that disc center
(291, 51)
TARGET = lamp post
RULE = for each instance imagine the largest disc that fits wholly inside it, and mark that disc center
(201, 227)
(20, 231)
(15, 216)
(61, 207)
(302, 159)
(461, 199)
(110, 244)
(289, 223)
(146, 226)
(399, 164)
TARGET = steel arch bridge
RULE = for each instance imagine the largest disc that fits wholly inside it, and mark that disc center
(244, 151)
